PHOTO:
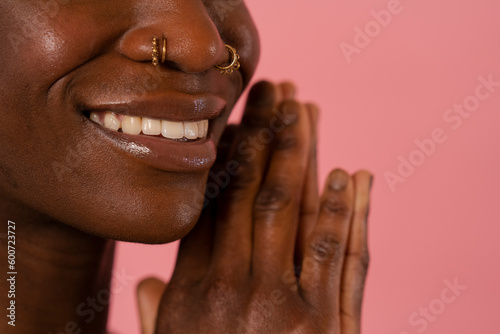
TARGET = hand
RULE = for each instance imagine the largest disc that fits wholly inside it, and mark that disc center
(269, 255)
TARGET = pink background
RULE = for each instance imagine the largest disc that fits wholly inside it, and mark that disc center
(441, 222)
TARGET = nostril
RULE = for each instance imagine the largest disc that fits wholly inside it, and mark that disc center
(137, 44)
(197, 54)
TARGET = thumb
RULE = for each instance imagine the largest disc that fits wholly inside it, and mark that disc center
(149, 293)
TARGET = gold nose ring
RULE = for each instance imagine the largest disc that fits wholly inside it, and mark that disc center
(234, 64)
(156, 54)
(163, 49)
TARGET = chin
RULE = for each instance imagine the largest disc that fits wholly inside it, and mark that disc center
(157, 222)
(152, 214)
(153, 208)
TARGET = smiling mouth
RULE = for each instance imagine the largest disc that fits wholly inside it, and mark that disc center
(136, 125)
(172, 132)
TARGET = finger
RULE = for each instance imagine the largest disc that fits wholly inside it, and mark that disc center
(287, 90)
(322, 266)
(149, 294)
(195, 248)
(224, 146)
(356, 258)
(310, 196)
(245, 166)
(277, 204)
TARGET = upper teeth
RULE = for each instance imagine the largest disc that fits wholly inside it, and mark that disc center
(149, 126)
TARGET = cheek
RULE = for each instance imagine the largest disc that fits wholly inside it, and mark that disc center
(46, 41)
(51, 163)
(33, 44)
(36, 52)
(250, 49)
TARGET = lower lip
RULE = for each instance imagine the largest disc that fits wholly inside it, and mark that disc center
(165, 154)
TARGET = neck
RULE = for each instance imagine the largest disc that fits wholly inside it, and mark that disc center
(62, 276)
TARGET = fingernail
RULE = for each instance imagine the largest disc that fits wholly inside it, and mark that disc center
(338, 180)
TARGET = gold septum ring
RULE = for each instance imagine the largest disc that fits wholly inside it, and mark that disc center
(156, 54)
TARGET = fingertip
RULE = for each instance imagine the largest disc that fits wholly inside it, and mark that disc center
(288, 90)
(364, 173)
(313, 109)
(150, 284)
(263, 93)
(363, 178)
(149, 294)
(338, 180)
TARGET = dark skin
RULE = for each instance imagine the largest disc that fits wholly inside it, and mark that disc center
(61, 58)
(270, 255)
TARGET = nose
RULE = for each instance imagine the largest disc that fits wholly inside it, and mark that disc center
(193, 42)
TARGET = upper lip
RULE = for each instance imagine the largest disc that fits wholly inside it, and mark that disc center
(172, 106)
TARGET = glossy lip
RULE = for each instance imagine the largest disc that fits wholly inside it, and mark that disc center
(163, 153)
(173, 107)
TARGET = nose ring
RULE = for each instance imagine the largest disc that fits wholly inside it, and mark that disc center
(161, 57)
(163, 49)
(157, 57)
(155, 52)
(234, 64)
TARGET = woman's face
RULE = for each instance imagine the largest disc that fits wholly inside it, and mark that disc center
(63, 60)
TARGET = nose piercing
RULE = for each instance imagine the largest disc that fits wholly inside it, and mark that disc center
(233, 66)
(156, 52)
(163, 49)
(157, 58)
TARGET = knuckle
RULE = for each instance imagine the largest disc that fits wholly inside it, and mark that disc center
(289, 111)
(352, 315)
(272, 198)
(361, 260)
(367, 213)
(325, 247)
(219, 289)
(364, 261)
(243, 180)
(286, 142)
(309, 212)
(335, 206)
(363, 211)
